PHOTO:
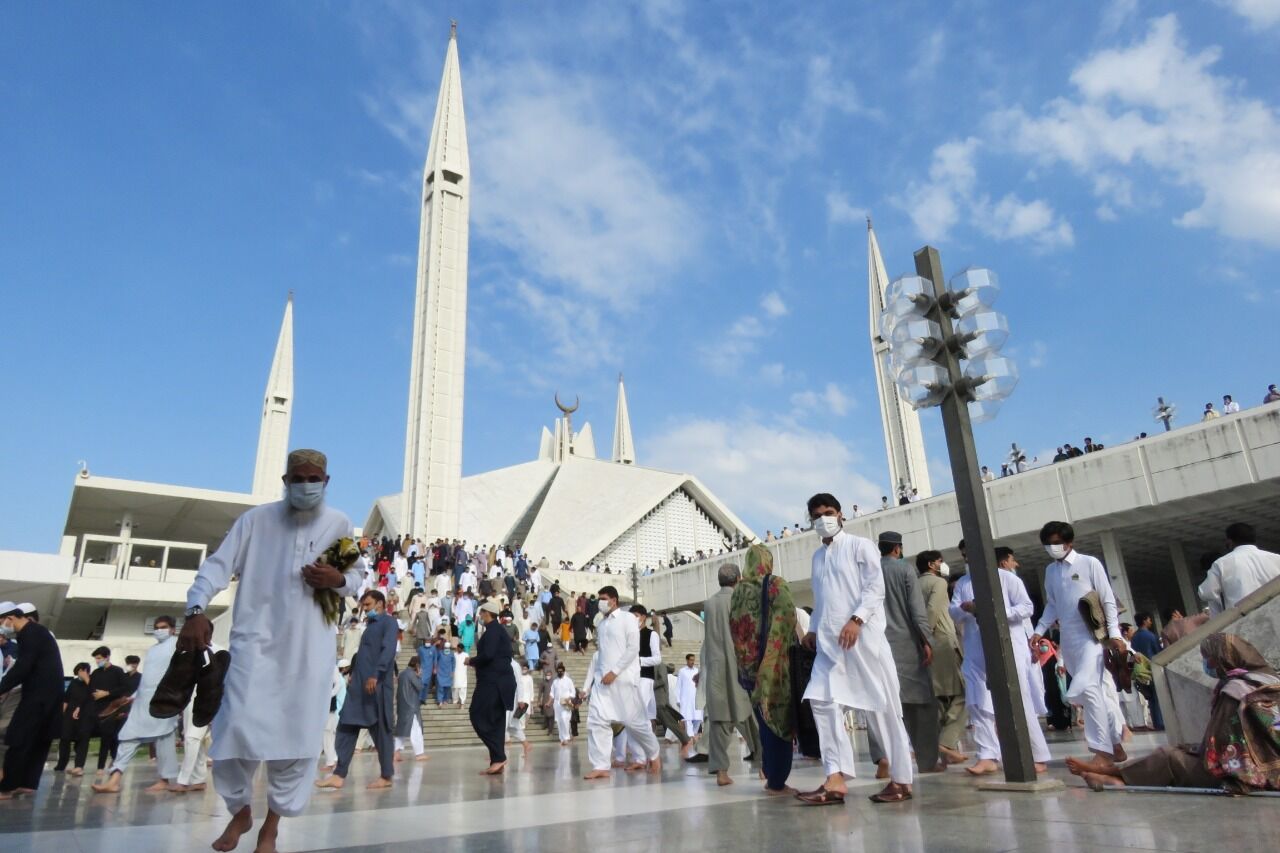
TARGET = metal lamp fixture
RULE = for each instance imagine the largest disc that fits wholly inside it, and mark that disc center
(917, 341)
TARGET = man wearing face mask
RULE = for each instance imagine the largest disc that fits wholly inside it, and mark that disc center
(142, 728)
(854, 667)
(1070, 576)
(276, 695)
(615, 691)
(369, 702)
(107, 683)
(948, 684)
(35, 722)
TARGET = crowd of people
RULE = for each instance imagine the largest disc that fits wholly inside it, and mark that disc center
(889, 644)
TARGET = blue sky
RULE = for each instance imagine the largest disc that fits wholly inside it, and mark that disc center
(672, 190)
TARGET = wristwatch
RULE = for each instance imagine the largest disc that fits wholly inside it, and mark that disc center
(856, 618)
(194, 610)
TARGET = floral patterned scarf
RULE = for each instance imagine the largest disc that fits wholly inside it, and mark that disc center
(762, 621)
(1242, 743)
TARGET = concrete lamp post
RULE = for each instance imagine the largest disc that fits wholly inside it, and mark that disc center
(944, 351)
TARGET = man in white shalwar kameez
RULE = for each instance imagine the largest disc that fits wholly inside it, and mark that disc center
(142, 728)
(687, 696)
(854, 668)
(562, 692)
(615, 693)
(977, 695)
(1070, 576)
(277, 689)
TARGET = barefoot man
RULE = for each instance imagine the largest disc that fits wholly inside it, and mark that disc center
(615, 692)
(276, 695)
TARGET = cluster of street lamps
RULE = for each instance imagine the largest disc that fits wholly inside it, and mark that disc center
(922, 324)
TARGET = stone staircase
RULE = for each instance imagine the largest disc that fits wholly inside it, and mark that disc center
(449, 725)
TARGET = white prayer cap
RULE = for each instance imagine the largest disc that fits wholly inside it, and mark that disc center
(344, 663)
(26, 608)
(7, 608)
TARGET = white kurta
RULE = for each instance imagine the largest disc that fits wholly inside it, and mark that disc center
(1017, 597)
(653, 657)
(140, 724)
(618, 638)
(1066, 582)
(687, 694)
(1235, 575)
(1017, 606)
(848, 581)
(276, 697)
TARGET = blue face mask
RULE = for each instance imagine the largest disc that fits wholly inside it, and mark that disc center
(1208, 669)
(305, 496)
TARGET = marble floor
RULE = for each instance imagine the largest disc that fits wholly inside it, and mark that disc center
(544, 804)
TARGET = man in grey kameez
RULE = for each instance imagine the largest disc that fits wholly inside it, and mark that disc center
(408, 708)
(369, 695)
(727, 704)
(911, 642)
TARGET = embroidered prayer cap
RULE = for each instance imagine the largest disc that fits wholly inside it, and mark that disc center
(306, 456)
(891, 537)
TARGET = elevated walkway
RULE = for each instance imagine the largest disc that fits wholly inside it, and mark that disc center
(1147, 508)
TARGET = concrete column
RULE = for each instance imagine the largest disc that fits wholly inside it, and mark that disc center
(1114, 560)
(1182, 571)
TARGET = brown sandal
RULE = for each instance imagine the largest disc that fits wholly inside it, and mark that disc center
(898, 794)
(821, 797)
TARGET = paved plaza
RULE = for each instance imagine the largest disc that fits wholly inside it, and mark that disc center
(543, 804)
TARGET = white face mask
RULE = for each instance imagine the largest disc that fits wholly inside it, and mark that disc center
(1056, 552)
(305, 496)
(827, 526)
(161, 634)
(944, 570)
(605, 604)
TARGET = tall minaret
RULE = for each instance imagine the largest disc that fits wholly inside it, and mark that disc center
(277, 409)
(624, 450)
(433, 438)
(903, 442)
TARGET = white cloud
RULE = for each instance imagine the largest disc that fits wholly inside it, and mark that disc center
(773, 304)
(840, 211)
(932, 51)
(950, 195)
(1156, 105)
(1116, 14)
(832, 399)
(765, 471)
(1039, 354)
(1261, 14)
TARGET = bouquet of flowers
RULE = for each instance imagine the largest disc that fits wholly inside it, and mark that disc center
(342, 555)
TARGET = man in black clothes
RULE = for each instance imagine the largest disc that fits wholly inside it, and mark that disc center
(76, 706)
(107, 683)
(38, 672)
(131, 664)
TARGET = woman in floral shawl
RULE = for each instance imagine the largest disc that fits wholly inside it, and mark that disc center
(762, 621)
(1241, 747)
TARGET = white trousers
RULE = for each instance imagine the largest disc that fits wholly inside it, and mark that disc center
(166, 754)
(414, 738)
(515, 726)
(1103, 719)
(329, 746)
(837, 749)
(195, 757)
(600, 737)
(459, 694)
(564, 723)
(984, 734)
(289, 783)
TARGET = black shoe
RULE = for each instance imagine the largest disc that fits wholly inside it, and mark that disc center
(699, 758)
(209, 689)
(176, 685)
